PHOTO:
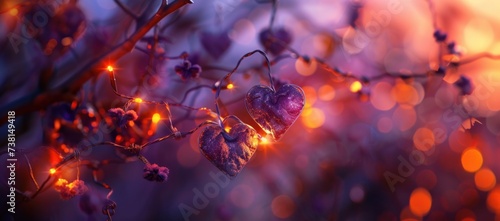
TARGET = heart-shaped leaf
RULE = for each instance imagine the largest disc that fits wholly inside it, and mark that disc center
(275, 40)
(229, 152)
(274, 111)
(216, 44)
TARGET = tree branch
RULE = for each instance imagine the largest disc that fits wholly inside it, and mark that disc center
(40, 99)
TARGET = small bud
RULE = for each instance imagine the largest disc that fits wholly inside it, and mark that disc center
(440, 36)
(121, 117)
(153, 172)
(441, 70)
(187, 71)
(464, 85)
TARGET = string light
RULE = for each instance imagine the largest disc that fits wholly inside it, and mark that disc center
(138, 100)
(230, 86)
(264, 141)
(156, 118)
(52, 171)
(110, 68)
(356, 87)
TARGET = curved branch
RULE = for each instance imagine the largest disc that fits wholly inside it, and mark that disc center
(40, 99)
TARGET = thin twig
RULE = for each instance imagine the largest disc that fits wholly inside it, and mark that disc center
(225, 78)
(31, 172)
(479, 56)
(126, 10)
(41, 99)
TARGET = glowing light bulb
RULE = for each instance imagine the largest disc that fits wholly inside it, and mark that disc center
(230, 86)
(264, 141)
(110, 68)
(52, 171)
(156, 118)
(356, 87)
(138, 100)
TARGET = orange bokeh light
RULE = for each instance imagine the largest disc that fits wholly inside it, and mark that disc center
(493, 200)
(306, 68)
(472, 160)
(420, 202)
(326, 92)
(485, 179)
(423, 139)
(313, 117)
(404, 93)
(311, 95)
(283, 206)
(13, 12)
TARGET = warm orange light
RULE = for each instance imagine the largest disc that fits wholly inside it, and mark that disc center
(13, 12)
(306, 68)
(472, 160)
(420, 202)
(264, 141)
(67, 41)
(485, 179)
(493, 200)
(424, 139)
(313, 117)
(230, 86)
(311, 95)
(283, 206)
(110, 68)
(138, 100)
(326, 92)
(52, 171)
(156, 118)
(356, 87)
(227, 129)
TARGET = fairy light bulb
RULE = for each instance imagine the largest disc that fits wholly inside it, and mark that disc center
(156, 118)
(110, 68)
(230, 86)
(52, 171)
(264, 141)
(356, 87)
(138, 100)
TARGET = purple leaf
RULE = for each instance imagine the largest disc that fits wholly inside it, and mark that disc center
(229, 152)
(216, 44)
(274, 111)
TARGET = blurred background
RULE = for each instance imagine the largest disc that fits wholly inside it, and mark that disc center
(412, 133)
